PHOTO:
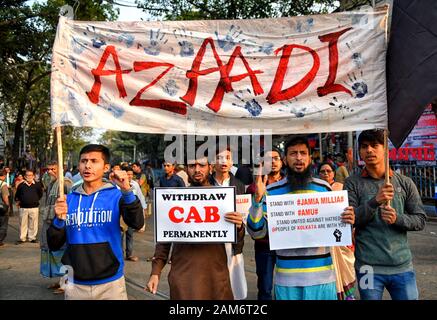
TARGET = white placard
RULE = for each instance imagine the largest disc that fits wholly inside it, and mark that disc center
(308, 220)
(244, 202)
(194, 214)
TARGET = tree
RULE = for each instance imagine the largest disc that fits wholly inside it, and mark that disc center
(27, 34)
(234, 9)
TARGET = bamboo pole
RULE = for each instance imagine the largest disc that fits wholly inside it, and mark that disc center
(386, 160)
(60, 161)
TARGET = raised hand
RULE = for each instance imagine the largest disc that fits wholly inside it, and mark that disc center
(121, 179)
(61, 208)
(260, 183)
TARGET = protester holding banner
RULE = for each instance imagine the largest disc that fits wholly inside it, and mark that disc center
(343, 256)
(199, 271)
(382, 251)
(264, 257)
(88, 221)
(303, 273)
(51, 265)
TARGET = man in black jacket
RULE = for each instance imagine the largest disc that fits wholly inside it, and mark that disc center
(27, 199)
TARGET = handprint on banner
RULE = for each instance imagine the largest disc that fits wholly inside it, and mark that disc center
(340, 108)
(357, 59)
(73, 61)
(157, 39)
(171, 87)
(265, 47)
(231, 38)
(305, 26)
(127, 39)
(83, 114)
(97, 41)
(186, 46)
(359, 87)
(77, 45)
(252, 106)
(299, 112)
(115, 110)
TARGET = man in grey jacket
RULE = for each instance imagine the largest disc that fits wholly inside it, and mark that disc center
(383, 257)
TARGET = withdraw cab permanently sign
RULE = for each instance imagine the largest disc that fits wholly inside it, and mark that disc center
(194, 214)
(308, 220)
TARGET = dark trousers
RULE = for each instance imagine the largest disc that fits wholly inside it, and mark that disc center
(265, 267)
(129, 241)
(4, 219)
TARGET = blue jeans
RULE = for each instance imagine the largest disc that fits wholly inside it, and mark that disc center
(265, 266)
(129, 241)
(3, 227)
(401, 286)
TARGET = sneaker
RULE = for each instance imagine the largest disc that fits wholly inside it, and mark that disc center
(132, 258)
(20, 242)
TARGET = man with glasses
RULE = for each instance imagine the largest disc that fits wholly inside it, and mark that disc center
(170, 179)
(27, 198)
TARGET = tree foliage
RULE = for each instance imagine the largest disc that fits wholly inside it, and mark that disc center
(27, 34)
(234, 9)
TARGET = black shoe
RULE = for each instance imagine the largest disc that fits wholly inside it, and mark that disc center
(1, 244)
(20, 242)
(34, 241)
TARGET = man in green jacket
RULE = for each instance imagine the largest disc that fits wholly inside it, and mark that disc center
(383, 257)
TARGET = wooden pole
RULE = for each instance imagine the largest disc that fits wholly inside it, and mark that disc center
(60, 161)
(386, 160)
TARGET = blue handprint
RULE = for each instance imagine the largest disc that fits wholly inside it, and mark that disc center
(230, 40)
(171, 87)
(83, 114)
(357, 59)
(340, 108)
(299, 112)
(97, 41)
(186, 47)
(305, 26)
(126, 38)
(358, 86)
(156, 40)
(266, 48)
(78, 47)
(252, 106)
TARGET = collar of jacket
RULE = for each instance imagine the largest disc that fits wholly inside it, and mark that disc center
(365, 173)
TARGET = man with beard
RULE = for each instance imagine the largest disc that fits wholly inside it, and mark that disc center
(198, 271)
(303, 273)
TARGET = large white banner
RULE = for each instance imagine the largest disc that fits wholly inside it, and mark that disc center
(321, 73)
(308, 220)
(194, 214)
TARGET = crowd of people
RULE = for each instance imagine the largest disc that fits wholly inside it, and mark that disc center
(85, 226)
